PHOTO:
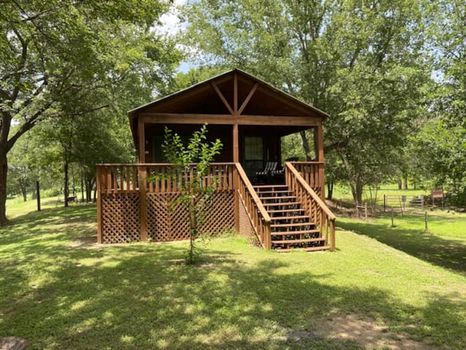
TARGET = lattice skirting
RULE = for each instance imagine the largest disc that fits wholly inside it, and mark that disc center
(120, 217)
(167, 222)
(245, 227)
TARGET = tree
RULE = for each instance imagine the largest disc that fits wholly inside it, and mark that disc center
(195, 193)
(362, 62)
(53, 49)
(441, 156)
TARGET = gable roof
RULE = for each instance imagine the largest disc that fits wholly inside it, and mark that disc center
(179, 94)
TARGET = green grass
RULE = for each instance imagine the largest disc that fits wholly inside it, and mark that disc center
(343, 192)
(59, 291)
(444, 243)
(16, 206)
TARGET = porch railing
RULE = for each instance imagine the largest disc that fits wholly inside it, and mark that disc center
(258, 216)
(316, 208)
(313, 173)
(158, 178)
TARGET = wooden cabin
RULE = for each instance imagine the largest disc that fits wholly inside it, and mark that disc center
(256, 191)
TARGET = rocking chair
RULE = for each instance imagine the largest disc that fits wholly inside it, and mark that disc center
(270, 167)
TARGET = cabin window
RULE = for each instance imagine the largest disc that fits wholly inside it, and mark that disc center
(253, 148)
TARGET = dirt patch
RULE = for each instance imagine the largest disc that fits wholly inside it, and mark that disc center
(365, 332)
(13, 343)
(84, 242)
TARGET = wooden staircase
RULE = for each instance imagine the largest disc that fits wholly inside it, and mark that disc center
(289, 216)
(291, 225)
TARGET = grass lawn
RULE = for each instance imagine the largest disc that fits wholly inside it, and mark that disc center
(59, 291)
(444, 244)
(342, 191)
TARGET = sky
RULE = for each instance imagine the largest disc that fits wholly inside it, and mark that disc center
(171, 25)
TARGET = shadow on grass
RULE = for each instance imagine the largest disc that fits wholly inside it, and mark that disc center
(138, 296)
(442, 252)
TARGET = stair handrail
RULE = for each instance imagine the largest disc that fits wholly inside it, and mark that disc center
(328, 217)
(256, 211)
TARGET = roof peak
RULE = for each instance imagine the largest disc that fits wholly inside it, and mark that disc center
(220, 75)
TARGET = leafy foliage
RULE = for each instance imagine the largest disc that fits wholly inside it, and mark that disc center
(192, 162)
(64, 59)
(362, 62)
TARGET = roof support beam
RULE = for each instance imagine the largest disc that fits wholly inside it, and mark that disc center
(184, 118)
(248, 98)
(226, 119)
(219, 93)
(277, 120)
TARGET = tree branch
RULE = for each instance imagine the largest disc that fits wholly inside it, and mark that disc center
(28, 125)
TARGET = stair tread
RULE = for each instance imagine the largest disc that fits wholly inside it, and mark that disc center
(278, 197)
(308, 249)
(285, 210)
(271, 192)
(293, 224)
(289, 217)
(270, 186)
(287, 233)
(304, 240)
(280, 204)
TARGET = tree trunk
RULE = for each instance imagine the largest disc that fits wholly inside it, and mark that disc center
(329, 190)
(400, 184)
(82, 188)
(307, 148)
(66, 190)
(3, 177)
(405, 183)
(24, 192)
(356, 190)
(87, 190)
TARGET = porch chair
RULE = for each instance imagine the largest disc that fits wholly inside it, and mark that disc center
(270, 167)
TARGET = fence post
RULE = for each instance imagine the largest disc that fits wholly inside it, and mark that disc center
(392, 217)
(365, 210)
(142, 203)
(384, 202)
(426, 229)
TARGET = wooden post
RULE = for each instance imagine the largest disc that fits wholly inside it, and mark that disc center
(236, 198)
(332, 236)
(98, 185)
(141, 141)
(320, 155)
(235, 143)
(236, 150)
(365, 210)
(384, 203)
(38, 195)
(426, 229)
(142, 202)
(268, 236)
(142, 174)
(392, 217)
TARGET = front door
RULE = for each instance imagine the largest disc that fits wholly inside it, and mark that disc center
(253, 159)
